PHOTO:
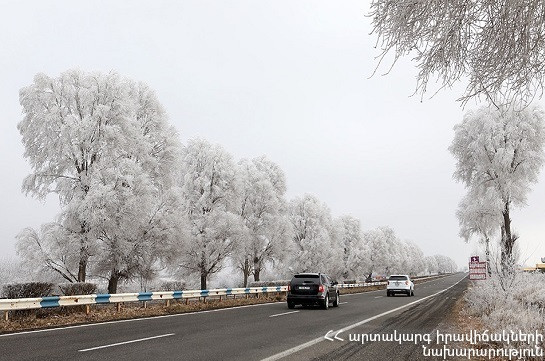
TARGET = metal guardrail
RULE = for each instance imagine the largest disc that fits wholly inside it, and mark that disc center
(7, 305)
(357, 285)
(380, 283)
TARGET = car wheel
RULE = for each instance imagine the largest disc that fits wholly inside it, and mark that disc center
(336, 302)
(409, 293)
(412, 293)
(325, 305)
(387, 293)
(291, 305)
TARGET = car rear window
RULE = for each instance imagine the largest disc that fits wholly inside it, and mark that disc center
(398, 278)
(298, 279)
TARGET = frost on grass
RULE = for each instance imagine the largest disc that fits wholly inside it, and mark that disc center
(519, 307)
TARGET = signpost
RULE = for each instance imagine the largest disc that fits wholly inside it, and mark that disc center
(477, 269)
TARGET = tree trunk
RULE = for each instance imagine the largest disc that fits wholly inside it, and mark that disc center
(507, 261)
(246, 271)
(257, 272)
(487, 254)
(113, 281)
(82, 270)
(83, 255)
(204, 268)
(203, 280)
(257, 269)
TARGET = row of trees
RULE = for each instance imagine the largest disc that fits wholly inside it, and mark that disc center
(135, 201)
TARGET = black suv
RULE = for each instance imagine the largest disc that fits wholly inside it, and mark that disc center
(312, 289)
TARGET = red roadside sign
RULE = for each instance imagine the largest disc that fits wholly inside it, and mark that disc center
(477, 270)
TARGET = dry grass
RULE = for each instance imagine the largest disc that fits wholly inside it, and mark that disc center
(463, 322)
(63, 316)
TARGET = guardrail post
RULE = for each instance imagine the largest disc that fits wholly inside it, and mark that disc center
(187, 301)
(144, 304)
(6, 315)
(118, 306)
(220, 298)
(87, 309)
(168, 303)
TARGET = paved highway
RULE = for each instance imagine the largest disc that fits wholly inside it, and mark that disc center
(269, 331)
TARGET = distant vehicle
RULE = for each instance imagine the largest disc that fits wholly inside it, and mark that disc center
(400, 284)
(312, 289)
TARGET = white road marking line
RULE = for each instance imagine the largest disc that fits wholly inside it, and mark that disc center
(321, 338)
(342, 303)
(282, 314)
(139, 319)
(378, 296)
(125, 342)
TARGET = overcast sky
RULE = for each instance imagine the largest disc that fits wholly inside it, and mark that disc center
(288, 79)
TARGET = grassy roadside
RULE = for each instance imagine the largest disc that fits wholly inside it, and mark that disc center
(75, 315)
(463, 321)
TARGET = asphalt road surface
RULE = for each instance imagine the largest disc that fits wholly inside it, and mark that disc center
(269, 331)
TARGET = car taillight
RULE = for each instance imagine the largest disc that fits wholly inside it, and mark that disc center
(321, 288)
(407, 283)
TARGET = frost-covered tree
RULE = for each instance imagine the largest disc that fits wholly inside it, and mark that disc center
(262, 209)
(478, 217)
(500, 153)
(385, 253)
(445, 264)
(134, 222)
(68, 123)
(210, 196)
(51, 248)
(414, 258)
(497, 45)
(354, 252)
(12, 271)
(139, 194)
(431, 265)
(316, 249)
(100, 142)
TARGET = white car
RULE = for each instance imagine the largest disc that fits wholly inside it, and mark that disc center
(400, 284)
